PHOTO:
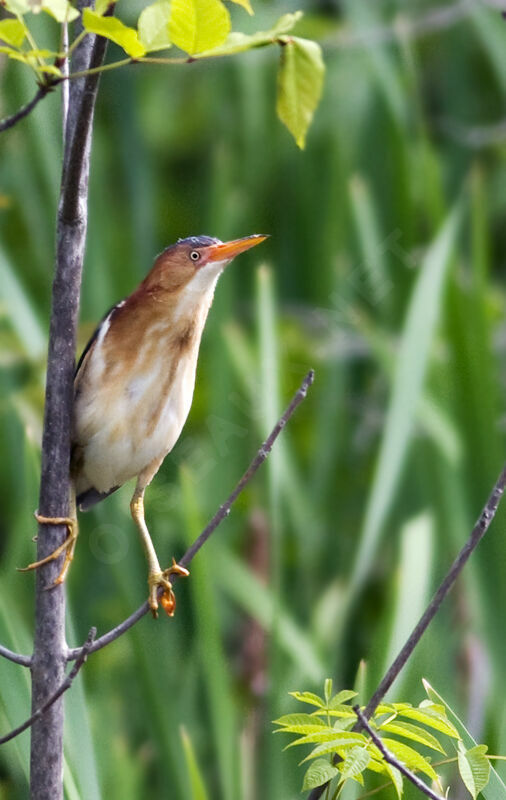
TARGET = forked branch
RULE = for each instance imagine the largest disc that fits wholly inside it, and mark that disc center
(67, 683)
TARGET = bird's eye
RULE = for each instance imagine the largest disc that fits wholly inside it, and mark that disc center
(194, 255)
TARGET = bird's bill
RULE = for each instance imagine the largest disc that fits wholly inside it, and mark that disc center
(225, 251)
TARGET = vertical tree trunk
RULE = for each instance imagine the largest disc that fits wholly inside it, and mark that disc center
(50, 649)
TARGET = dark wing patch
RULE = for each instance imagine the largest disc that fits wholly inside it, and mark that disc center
(91, 497)
(94, 336)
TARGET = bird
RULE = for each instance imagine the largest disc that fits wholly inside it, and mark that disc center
(133, 389)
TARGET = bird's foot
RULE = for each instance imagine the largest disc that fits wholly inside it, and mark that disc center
(67, 547)
(167, 598)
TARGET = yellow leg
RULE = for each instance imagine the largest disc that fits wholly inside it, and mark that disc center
(156, 576)
(68, 546)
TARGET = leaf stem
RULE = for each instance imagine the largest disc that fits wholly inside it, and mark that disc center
(96, 70)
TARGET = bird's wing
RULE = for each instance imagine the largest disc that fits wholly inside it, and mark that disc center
(94, 338)
(85, 500)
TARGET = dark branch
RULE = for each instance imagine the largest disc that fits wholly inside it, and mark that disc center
(391, 759)
(23, 112)
(220, 515)
(67, 683)
(477, 534)
(24, 661)
(50, 649)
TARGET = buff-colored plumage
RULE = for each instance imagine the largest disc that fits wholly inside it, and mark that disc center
(134, 385)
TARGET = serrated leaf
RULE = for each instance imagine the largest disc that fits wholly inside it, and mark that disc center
(396, 778)
(432, 718)
(239, 42)
(198, 25)
(153, 26)
(318, 773)
(341, 711)
(348, 739)
(245, 4)
(325, 735)
(308, 697)
(327, 689)
(411, 758)
(60, 10)
(474, 767)
(113, 29)
(355, 762)
(12, 31)
(342, 697)
(413, 732)
(289, 720)
(300, 84)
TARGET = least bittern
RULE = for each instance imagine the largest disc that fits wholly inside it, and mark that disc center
(134, 386)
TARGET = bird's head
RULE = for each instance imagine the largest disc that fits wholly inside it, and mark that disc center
(194, 264)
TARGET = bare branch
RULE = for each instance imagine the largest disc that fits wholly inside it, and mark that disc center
(24, 661)
(391, 759)
(220, 515)
(477, 534)
(67, 683)
(23, 112)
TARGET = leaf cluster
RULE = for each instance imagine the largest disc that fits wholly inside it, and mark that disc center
(201, 29)
(341, 754)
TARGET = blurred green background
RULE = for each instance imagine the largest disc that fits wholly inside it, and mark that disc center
(384, 272)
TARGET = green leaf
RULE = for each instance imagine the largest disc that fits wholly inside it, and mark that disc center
(113, 29)
(347, 740)
(412, 732)
(239, 42)
(342, 697)
(17, 7)
(474, 767)
(12, 31)
(299, 719)
(341, 711)
(308, 697)
(300, 84)
(327, 689)
(318, 773)
(432, 718)
(60, 10)
(245, 4)
(325, 735)
(411, 758)
(198, 789)
(198, 25)
(495, 788)
(355, 762)
(412, 362)
(396, 778)
(153, 26)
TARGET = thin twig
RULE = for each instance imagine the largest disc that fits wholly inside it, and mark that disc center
(220, 515)
(391, 759)
(24, 661)
(67, 683)
(477, 534)
(41, 92)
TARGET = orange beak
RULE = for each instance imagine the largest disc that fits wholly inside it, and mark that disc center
(226, 251)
